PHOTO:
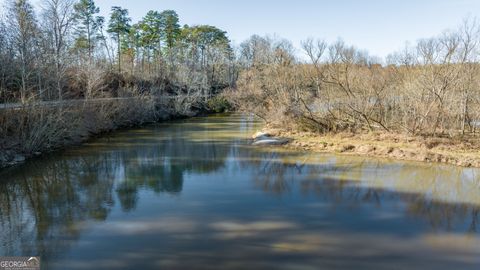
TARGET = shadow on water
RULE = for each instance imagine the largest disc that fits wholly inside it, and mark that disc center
(193, 194)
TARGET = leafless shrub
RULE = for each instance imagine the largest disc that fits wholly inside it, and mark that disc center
(429, 89)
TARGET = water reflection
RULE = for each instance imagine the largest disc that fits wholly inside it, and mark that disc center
(41, 209)
(193, 193)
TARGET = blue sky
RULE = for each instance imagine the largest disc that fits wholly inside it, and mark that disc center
(379, 26)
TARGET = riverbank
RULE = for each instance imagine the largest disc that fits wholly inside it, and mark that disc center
(31, 131)
(463, 152)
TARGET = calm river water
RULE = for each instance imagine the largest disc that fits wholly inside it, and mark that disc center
(194, 194)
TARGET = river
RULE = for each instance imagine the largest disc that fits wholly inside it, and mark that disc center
(193, 194)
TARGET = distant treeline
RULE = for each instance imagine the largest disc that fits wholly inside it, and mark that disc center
(430, 88)
(66, 50)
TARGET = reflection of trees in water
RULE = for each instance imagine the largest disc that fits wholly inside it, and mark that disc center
(278, 182)
(41, 205)
(359, 183)
(444, 215)
(161, 167)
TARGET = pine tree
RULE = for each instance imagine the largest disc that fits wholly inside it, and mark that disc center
(170, 27)
(88, 25)
(119, 26)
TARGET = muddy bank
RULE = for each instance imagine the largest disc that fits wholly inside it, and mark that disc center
(462, 152)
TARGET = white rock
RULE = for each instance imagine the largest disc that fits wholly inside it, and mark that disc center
(271, 141)
(258, 135)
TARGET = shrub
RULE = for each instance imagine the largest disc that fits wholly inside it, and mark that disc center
(219, 104)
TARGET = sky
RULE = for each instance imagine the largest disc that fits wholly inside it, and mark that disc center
(378, 26)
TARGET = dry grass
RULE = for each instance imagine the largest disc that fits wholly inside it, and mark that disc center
(461, 151)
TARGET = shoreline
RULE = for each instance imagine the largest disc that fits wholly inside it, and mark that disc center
(385, 145)
(13, 157)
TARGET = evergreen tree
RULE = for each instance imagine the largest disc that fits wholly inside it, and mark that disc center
(88, 25)
(119, 26)
(170, 27)
(150, 27)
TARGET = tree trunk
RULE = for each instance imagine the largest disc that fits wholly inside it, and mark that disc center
(119, 52)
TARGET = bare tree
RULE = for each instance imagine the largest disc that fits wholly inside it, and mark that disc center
(430, 88)
(58, 18)
(24, 30)
(315, 51)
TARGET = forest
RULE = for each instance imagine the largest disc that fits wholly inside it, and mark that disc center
(66, 72)
(66, 50)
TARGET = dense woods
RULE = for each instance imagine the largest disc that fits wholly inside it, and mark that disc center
(430, 88)
(125, 72)
(66, 50)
